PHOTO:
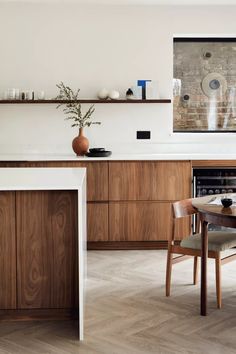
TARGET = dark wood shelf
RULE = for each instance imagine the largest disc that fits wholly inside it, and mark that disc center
(83, 101)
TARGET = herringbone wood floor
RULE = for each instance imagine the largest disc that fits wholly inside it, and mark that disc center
(127, 312)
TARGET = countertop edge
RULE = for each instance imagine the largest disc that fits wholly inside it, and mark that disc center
(116, 157)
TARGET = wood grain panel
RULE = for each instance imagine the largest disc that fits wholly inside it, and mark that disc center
(142, 221)
(37, 315)
(214, 163)
(97, 221)
(46, 233)
(11, 164)
(7, 251)
(174, 180)
(149, 180)
(97, 180)
(128, 245)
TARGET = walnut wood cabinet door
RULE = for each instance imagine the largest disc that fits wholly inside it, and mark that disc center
(46, 248)
(7, 251)
(97, 181)
(143, 221)
(174, 180)
(149, 180)
(97, 222)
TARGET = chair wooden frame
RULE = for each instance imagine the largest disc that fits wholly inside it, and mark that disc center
(180, 209)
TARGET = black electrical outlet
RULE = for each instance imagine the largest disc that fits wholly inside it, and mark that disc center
(143, 134)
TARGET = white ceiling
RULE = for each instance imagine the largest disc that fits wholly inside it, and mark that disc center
(131, 2)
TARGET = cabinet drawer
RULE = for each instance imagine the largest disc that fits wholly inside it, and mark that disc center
(143, 180)
(143, 221)
(97, 221)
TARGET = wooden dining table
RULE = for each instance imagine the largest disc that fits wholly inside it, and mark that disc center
(217, 215)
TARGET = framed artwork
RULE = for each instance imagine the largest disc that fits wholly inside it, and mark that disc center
(204, 85)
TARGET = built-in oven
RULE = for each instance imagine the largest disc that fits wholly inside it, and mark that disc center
(208, 181)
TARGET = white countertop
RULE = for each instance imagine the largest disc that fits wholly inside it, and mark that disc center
(120, 157)
(41, 178)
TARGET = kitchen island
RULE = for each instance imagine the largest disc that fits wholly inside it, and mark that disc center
(43, 243)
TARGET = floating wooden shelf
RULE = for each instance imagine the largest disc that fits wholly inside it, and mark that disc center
(82, 101)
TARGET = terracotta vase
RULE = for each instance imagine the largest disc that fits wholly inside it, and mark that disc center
(80, 144)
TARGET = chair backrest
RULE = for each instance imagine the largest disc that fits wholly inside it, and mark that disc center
(183, 208)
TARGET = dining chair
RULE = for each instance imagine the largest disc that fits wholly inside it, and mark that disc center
(218, 241)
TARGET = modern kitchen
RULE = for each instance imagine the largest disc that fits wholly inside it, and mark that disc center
(117, 163)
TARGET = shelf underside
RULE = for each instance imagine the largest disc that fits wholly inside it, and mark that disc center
(83, 101)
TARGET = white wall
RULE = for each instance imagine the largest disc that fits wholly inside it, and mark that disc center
(92, 47)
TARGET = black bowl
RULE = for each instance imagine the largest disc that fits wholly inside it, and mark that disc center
(98, 154)
(226, 202)
(94, 150)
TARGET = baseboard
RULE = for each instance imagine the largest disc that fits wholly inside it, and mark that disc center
(37, 314)
(128, 245)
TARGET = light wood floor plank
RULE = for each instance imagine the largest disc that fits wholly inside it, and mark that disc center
(127, 312)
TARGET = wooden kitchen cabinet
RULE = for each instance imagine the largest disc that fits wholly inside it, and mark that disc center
(142, 221)
(46, 231)
(129, 201)
(149, 180)
(141, 193)
(97, 222)
(7, 251)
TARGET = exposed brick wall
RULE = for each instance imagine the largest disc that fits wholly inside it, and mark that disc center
(191, 66)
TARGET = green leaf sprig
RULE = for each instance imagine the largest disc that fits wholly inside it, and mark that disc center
(72, 108)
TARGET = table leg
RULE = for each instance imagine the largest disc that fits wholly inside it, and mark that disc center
(204, 268)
